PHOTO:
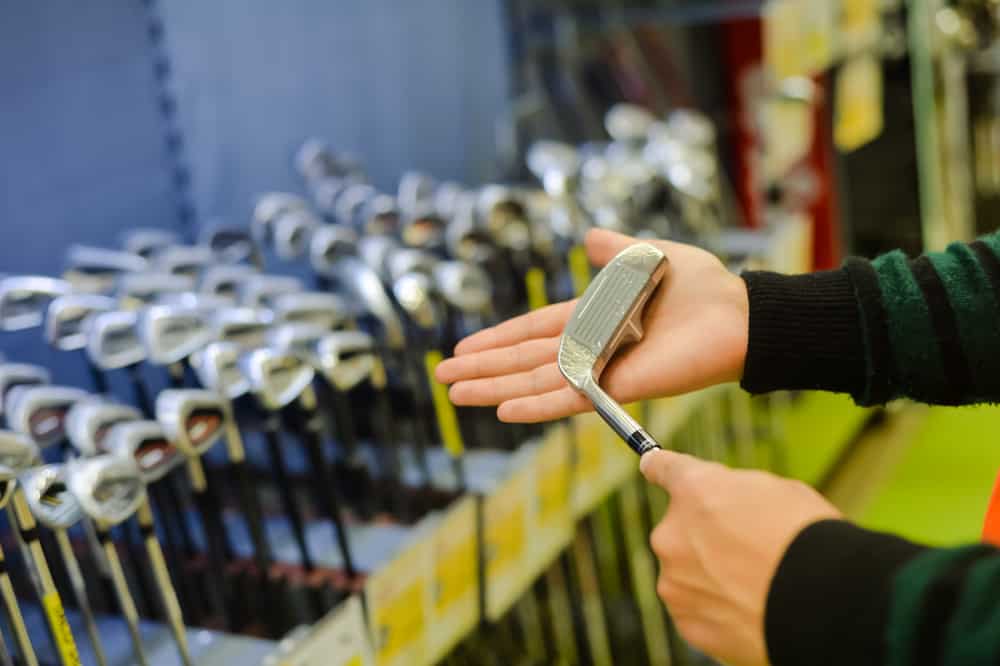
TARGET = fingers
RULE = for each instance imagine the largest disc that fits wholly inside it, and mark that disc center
(666, 468)
(602, 245)
(543, 323)
(494, 390)
(502, 361)
(546, 407)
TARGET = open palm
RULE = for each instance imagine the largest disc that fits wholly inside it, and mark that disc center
(695, 325)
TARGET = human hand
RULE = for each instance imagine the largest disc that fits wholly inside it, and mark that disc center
(696, 327)
(719, 545)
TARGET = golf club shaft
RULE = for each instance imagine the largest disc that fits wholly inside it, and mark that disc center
(168, 595)
(620, 421)
(216, 537)
(52, 606)
(80, 592)
(124, 596)
(285, 490)
(13, 611)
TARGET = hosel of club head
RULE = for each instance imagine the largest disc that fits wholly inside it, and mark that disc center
(615, 416)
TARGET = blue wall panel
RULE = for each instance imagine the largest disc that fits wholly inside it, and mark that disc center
(398, 83)
(81, 142)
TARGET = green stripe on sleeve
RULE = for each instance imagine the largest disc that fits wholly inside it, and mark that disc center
(909, 588)
(973, 635)
(918, 368)
(976, 313)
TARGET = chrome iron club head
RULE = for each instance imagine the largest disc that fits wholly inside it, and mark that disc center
(193, 419)
(186, 260)
(217, 367)
(109, 488)
(276, 378)
(318, 308)
(48, 496)
(113, 340)
(89, 421)
(138, 289)
(346, 358)
(148, 242)
(146, 444)
(170, 334)
(609, 315)
(39, 412)
(244, 326)
(13, 375)
(66, 317)
(225, 280)
(96, 269)
(260, 290)
(25, 299)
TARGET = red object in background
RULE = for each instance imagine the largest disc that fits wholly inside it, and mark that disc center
(744, 53)
(991, 526)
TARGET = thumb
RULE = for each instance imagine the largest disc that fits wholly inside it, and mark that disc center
(664, 468)
(602, 245)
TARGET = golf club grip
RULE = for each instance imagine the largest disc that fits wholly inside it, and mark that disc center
(615, 416)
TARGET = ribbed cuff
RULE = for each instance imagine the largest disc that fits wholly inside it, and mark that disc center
(829, 600)
(805, 333)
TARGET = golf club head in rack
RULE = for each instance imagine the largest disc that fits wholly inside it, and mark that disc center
(244, 326)
(138, 289)
(96, 269)
(109, 488)
(276, 378)
(66, 317)
(39, 412)
(362, 286)
(13, 375)
(464, 286)
(268, 209)
(17, 454)
(186, 260)
(351, 204)
(113, 340)
(416, 295)
(225, 280)
(375, 251)
(347, 358)
(556, 165)
(89, 421)
(506, 218)
(291, 232)
(424, 228)
(259, 290)
(628, 123)
(148, 242)
(415, 188)
(315, 161)
(609, 315)
(381, 215)
(204, 304)
(146, 444)
(193, 419)
(25, 299)
(217, 367)
(298, 339)
(329, 244)
(170, 334)
(317, 308)
(446, 199)
(233, 246)
(408, 260)
(47, 493)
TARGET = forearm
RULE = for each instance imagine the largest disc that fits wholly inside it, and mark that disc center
(927, 329)
(844, 595)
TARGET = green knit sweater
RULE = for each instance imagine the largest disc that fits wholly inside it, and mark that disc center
(926, 329)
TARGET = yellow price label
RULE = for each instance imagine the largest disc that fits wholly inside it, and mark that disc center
(447, 420)
(534, 281)
(504, 540)
(356, 660)
(454, 573)
(400, 622)
(579, 269)
(61, 632)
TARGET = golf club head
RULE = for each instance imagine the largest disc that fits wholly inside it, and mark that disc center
(346, 358)
(424, 228)
(408, 260)
(96, 269)
(464, 286)
(186, 260)
(17, 454)
(65, 319)
(415, 188)
(329, 244)
(170, 334)
(147, 445)
(260, 290)
(48, 496)
(113, 339)
(325, 193)
(351, 204)
(555, 165)
(89, 421)
(375, 251)
(607, 316)
(193, 419)
(39, 412)
(298, 339)
(696, 129)
(318, 308)
(468, 242)
(362, 286)
(225, 280)
(148, 242)
(416, 295)
(204, 304)
(381, 215)
(109, 488)
(276, 378)
(25, 299)
(13, 375)
(232, 246)
(138, 289)
(505, 216)
(217, 367)
(446, 199)
(269, 208)
(291, 232)
(244, 326)
(628, 123)
(314, 160)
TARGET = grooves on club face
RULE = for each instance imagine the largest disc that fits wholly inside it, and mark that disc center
(17, 454)
(138, 289)
(346, 358)
(89, 421)
(170, 334)
(113, 341)
(66, 317)
(322, 309)
(147, 445)
(40, 411)
(49, 498)
(217, 367)
(276, 378)
(109, 488)
(244, 326)
(24, 300)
